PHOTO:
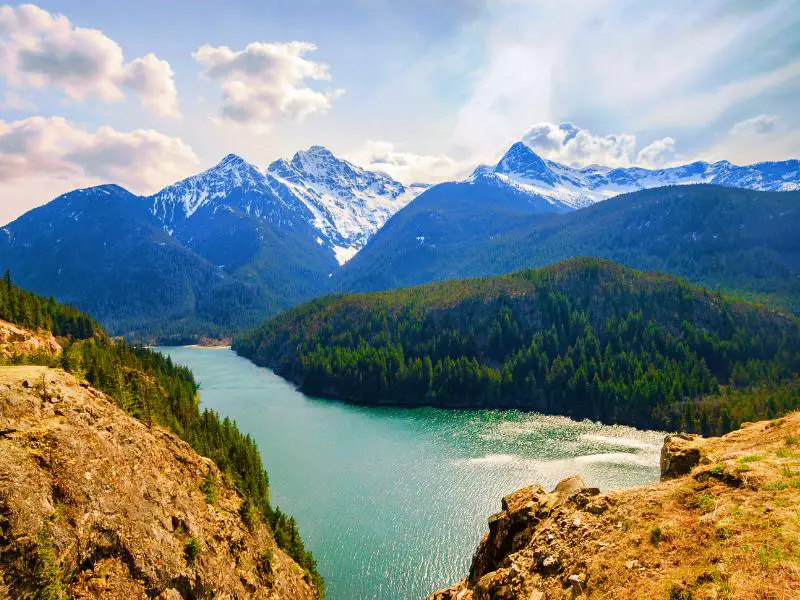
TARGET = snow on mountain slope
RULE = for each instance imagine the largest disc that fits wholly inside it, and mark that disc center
(348, 203)
(343, 203)
(576, 187)
(183, 199)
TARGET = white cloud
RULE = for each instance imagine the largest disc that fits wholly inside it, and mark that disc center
(40, 49)
(760, 138)
(407, 166)
(567, 143)
(267, 81)
(142, 160)
(573, 145)
(620, 64)
(660, 153)
(152, 79)
(759, 124)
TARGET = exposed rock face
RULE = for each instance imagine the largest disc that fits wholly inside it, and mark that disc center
(15, 341)
(679, 454)
(94, 503)
(723, 523)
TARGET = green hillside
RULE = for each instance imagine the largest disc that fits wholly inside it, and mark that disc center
(736, 240)
(584, 338)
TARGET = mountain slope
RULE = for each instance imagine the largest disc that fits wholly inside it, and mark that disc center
(101, 249)
(348, 204)
(207, 255)
(97, 504)
(315, 196)
(427, 240)
(721, 237)
(725, 527)
(583, 338)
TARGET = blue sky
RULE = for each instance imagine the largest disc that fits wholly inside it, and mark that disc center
(144, 93)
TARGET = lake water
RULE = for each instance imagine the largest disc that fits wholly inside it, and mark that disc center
(392, 501)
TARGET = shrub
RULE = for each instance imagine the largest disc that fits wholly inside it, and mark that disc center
(191, 551)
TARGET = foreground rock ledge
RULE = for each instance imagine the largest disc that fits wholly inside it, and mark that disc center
(107, 507)
(724, 522)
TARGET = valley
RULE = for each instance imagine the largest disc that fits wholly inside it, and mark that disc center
(392, 501)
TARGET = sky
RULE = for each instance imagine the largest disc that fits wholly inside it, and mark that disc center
(145, 93)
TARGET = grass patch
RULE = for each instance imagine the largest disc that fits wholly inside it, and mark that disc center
(787, 471)
(775, 486)
(768, 557)
(706, 503)
(793, 441)
(46, 569)
(751, 458)
(717, 470)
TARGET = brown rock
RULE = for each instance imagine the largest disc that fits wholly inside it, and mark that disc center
(679, 455)
(16, 341)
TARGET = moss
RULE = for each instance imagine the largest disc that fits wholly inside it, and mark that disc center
(46, 568)
(655, 535)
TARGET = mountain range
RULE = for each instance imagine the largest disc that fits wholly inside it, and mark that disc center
(577, 187)
(225, 248)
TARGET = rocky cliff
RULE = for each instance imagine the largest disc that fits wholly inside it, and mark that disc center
(724, 522)
(15, 341)
(94, 503)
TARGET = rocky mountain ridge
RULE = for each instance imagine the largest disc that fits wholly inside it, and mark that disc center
(343, 204)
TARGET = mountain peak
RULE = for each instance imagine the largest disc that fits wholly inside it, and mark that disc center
(232, 161)
(521, 161)
(315, 157)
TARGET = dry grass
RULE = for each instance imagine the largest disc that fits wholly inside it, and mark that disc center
(731, 529)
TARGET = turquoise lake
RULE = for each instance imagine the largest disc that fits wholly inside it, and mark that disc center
(391, 501)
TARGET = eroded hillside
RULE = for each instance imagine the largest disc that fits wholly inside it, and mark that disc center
(94, 503)
(727, 528)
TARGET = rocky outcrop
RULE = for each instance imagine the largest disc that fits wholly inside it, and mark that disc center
(95, 504)
(723, 523)
(679, 454)
(16, 341)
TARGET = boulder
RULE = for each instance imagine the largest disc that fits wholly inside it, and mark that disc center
(679, 454)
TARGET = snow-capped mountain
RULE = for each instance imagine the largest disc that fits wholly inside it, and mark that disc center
(576, 187)
(234, 183)
(343, 204)
(348, 204)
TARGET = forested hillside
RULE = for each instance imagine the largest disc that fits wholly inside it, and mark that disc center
(737, 240)
(585, 338)
(152, 388)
